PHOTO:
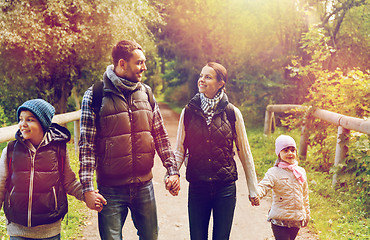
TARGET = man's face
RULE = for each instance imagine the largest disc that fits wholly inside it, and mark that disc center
(135, 67)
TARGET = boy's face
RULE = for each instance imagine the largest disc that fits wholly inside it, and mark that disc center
(30, 127)
(289, 155)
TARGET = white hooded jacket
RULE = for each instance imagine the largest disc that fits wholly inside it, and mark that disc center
(289, 197)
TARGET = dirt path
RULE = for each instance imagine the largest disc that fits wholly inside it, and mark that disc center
(249, 222)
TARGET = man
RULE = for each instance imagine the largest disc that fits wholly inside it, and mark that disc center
(119, 142)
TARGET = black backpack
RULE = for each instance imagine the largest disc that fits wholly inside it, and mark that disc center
(98, 92)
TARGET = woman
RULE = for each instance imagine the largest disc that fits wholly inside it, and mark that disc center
(208, 126)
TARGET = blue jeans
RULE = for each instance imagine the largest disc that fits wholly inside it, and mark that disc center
(139, 198)
(57, 237)
(284, 233)
(204, 198)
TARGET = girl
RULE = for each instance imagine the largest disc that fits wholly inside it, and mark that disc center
(35, 175)
(208, 126)
(290, 207)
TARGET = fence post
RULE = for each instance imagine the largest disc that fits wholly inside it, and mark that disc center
(340, 150)
(303, 142)
(76, 129)
(268, 122)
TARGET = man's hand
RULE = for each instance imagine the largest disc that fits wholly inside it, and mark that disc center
(255, 201)
(94, 200)
(173, 184)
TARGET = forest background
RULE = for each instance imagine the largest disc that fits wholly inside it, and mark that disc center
(310, 52)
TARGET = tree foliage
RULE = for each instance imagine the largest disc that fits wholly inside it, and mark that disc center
(345, 92)
(255, 41)
(50, 46)
(252, 39)
(346, 23)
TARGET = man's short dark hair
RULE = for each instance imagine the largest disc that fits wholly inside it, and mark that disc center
(123, 50)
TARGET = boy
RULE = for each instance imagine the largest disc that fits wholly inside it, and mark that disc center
(35, 175)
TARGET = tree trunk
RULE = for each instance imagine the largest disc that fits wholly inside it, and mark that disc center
(62, 92)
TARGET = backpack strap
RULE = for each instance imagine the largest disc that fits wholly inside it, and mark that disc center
(97, 96)
(230, 114)
(9, 155)
(187, 117)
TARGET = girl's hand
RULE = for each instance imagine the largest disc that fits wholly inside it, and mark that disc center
(305, 222)
(255, 201)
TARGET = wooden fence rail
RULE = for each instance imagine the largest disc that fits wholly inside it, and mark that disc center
(344, 123)
(8, 133)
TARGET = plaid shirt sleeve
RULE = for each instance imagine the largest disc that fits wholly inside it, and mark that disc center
(162, 142)
(87, 143)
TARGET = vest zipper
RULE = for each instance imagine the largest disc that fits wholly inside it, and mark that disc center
(132, 143)
(32, 174)
(55, 199)
(10, 195)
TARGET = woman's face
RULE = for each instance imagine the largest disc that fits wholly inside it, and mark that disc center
(207, 82)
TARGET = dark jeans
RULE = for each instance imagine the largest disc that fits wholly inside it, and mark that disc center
(57, 237)
(139, 198)
(204, 198)
(284, 233)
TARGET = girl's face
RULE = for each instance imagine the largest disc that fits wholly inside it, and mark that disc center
(288, 155)
(30, 127)
(207, 82)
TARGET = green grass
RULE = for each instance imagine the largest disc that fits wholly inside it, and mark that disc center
(336, 214)
(73, 222)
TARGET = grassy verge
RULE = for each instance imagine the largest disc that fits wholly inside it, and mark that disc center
(335, 214)
(75, 220)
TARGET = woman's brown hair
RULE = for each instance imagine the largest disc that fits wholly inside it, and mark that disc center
(220, 70)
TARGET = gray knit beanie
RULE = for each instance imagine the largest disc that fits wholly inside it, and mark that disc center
(43, 111)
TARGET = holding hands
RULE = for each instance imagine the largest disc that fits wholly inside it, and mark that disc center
(255, 201)
(173, 184)
(94, 200)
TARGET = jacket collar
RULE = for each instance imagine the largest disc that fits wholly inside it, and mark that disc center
(54, 133)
